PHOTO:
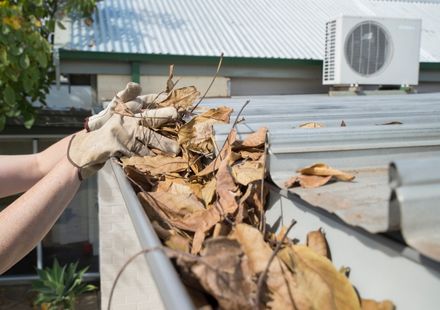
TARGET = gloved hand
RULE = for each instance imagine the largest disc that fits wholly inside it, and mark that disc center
(120, 135)
(128, 101)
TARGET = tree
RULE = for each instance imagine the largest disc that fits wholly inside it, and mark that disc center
(26, 68)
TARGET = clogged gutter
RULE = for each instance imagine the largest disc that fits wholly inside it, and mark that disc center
(208, 210)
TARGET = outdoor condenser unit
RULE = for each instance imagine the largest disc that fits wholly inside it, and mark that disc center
(371, 50)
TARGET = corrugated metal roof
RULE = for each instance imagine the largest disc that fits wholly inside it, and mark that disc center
(364, 147)
(246, 28)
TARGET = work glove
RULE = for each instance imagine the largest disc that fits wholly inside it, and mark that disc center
(121, 135)
(126, 102)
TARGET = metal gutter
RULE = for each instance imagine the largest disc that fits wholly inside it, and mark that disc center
(65, 54)
(184, 59)
(170, 287)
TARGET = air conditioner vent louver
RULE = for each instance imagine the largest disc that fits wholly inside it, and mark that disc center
(330, 45)
(367, 48)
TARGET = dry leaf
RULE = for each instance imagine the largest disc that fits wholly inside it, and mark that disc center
(368, 304)
(182, 211)
(280, 282)
(196, 135)
(343, 124)
(253, 140)
(251, 155)
(224, 153)
(247, 172)
(181, 98)
(223, 272)
(318, 243)
(156, 165)
(171, 238)
(321, 169)
(198, 239)
(318, 282)
(226, 189)
(208, 191)
(311, 125)
(307, 181)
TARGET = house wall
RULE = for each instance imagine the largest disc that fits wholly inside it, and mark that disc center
(243, 80)
(135, 289)
(108, 85)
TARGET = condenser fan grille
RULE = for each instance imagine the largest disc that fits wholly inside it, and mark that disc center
(367, 48)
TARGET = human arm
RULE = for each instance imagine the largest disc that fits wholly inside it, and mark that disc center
(18, 173)
(28, 219)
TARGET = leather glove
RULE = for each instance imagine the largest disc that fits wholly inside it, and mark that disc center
(128, 101)
(119, 135)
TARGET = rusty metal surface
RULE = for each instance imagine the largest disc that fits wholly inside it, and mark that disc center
(363, 147)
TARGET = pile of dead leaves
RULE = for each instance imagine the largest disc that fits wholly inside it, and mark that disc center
(207, 206)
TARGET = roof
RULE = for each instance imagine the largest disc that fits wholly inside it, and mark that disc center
(365, 147)
(280, 29)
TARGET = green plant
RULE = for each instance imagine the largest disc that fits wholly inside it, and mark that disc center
(26, 38)
(58, 287)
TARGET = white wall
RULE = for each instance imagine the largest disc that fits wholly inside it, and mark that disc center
(109, 85)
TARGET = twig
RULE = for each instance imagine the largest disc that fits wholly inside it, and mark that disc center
(262, 218)
(212, 82)
(263, 275)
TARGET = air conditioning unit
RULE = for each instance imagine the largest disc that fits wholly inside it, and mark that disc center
(371, 50)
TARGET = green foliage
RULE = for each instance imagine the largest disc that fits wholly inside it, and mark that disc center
(26, 69)
(58, 287)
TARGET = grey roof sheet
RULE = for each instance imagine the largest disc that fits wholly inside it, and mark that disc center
(364, 147)
(245, 28)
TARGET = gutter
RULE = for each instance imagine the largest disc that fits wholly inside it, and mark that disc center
(184, 59)
(65, 54)
(170, 287)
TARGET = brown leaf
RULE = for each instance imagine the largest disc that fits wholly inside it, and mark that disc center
(311, 125)
(319, 284)
(247, 172)
(181, 98)
(321, 169)
(256, 155)
(343, 124)
(196, 135)
(171, 238)
(318, 243)
(224, 153)
(221, 229)
(197, 243)
(307, 181)
(182, 211)
(156, 165)
(369, 304)
(208, 191)
(280, 281)
(292, 181)
(143, 180)
(226, 189)
(253, 140)
(223, 271)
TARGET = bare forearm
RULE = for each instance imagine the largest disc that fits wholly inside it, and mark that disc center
(26, 221)
(18, 173)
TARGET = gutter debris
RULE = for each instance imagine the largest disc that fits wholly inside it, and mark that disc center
(208, 210)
